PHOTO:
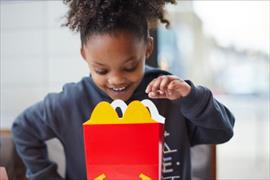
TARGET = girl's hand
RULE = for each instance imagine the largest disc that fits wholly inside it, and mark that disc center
(169, 87)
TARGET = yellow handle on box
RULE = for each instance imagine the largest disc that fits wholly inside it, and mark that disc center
(135, 113)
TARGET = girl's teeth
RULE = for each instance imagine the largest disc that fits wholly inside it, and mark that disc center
(119, 89)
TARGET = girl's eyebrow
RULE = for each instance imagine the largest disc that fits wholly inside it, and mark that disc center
(132, 58)
(98, 63)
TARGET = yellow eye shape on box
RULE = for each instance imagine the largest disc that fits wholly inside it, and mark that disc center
(136, 112)
(141, 176)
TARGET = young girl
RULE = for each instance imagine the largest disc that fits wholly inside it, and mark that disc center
(115, 43)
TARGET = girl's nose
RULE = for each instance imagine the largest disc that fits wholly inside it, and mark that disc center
(116, 79)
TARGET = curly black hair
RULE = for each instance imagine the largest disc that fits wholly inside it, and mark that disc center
(108, 16)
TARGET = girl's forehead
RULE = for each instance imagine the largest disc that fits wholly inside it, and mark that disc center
(114, 44)
(121, 48)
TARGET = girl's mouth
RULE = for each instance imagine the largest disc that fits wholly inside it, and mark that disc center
(120, 92)
(119, 89)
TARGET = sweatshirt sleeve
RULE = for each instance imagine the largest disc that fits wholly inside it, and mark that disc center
(209, 121)
(30, 131)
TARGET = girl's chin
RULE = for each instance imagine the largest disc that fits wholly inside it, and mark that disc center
(124, 98)
(120, 95)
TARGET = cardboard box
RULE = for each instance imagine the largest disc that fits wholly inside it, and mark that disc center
(125, 148)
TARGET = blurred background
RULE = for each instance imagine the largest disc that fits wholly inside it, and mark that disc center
(223, 45)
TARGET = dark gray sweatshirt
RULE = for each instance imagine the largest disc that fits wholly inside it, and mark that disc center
(196, 119)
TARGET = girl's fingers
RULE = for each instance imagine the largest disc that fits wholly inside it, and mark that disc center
(164, 83)
(149, 86)
(179, 87)
(157, 94)
(172, 85)
(156, 84)
(169, 87)
(160, 83)
(147, 90)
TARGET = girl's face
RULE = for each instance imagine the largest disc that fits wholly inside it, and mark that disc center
(116, 62)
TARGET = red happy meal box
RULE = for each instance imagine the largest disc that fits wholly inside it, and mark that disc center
(124, 148)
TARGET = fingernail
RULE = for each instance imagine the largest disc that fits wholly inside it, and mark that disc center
(146, 90)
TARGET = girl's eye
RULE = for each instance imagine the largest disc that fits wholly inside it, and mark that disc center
(101, 71)
(131, 69)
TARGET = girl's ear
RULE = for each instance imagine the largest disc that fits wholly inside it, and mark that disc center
(83, 53)
(150, 46)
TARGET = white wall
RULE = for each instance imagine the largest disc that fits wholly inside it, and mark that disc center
(38, 56)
